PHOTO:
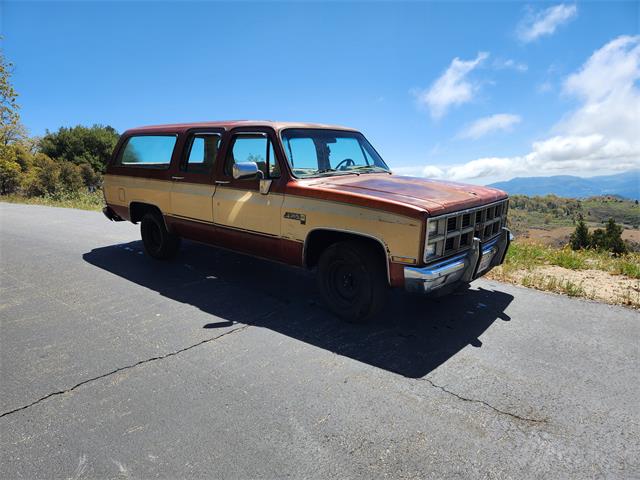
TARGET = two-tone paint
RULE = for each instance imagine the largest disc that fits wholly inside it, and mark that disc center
(277, 219)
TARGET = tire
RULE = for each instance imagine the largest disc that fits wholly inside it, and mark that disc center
(158, 242)
(352, 280)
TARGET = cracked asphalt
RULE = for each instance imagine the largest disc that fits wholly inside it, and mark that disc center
(216, 365)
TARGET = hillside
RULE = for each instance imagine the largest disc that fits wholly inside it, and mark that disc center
(625, 185)
(551, 219)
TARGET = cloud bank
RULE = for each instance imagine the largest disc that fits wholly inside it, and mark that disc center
(601, 135)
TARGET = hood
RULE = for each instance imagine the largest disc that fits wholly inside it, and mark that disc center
(437, 197)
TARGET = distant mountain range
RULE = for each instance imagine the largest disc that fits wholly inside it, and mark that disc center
(625, 184)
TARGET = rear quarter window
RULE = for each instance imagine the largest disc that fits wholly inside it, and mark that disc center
(147, 151)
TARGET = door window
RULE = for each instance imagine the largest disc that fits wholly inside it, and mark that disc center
(255, 148)
(203, 151)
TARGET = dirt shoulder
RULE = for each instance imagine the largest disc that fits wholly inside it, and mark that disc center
(593, 284)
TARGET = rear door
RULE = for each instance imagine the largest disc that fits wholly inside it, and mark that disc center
(193, 187)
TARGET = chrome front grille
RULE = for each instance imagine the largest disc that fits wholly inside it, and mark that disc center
(454, 232)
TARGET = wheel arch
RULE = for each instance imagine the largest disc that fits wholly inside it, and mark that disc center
(137, 210)
(318, 239)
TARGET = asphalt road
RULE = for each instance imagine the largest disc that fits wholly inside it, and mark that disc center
(222, 366)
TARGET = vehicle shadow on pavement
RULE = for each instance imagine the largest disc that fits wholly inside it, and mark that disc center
(411, 337)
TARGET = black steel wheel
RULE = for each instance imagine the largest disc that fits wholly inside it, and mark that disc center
(352, 280)
(158, 242)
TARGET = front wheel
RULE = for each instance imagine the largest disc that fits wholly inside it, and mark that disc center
(352, 280)
(158, 242)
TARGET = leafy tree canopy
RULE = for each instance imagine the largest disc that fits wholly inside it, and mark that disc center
(11, 130)
(78, 145)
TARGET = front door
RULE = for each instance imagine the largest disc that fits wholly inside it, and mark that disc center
(192, 186)
(239, 204)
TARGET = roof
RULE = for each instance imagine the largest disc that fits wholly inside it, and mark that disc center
(230, 124)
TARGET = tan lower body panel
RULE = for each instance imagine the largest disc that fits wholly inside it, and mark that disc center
(249, 221)
(248, 210)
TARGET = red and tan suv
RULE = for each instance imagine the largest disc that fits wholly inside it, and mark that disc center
(313, 196)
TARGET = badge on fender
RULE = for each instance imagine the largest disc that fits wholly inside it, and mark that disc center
(301, 217)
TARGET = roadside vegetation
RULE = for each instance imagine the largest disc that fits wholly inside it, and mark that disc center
(62, 168)
(592, 273)
(83, 200)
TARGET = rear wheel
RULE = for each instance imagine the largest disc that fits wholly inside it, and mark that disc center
(352, 280)
(158, 241)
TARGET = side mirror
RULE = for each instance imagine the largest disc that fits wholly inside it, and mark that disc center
(244, 170)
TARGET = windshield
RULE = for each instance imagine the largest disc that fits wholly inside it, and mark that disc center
(314, 152)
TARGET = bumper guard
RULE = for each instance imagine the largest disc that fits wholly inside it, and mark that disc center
(467, 266)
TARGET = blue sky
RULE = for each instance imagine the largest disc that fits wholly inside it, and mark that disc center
(515, 102)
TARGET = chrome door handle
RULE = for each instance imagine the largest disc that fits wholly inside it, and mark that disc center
(177, 178)
(222, 182)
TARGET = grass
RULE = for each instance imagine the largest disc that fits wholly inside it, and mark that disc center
(83, 201)
(527, 256)
(554, 284)
(525, 265)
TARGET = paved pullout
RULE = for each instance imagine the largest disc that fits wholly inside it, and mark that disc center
(223, 366)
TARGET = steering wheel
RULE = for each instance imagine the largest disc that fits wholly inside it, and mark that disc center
(347, 163)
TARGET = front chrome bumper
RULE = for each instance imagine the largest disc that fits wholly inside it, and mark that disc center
(467, 266)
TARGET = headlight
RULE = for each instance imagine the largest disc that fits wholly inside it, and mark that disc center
(432, 227)
(430, 250)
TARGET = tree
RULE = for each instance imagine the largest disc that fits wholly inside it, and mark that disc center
(10, 170)
(11, 130)
(92, 145)
(598, 239)
(71, 180)
(42, 178)
(580, 237)
(613, 233)
(91, 179)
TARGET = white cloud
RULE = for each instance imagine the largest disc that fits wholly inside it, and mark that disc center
(545, 22)
(601, 135)
(493, 123)
(510, 64)
(452, 87)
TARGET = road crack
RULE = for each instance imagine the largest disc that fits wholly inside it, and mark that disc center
(120, 369)
(483, 402)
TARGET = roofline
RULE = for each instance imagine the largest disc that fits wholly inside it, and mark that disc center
(231, 124)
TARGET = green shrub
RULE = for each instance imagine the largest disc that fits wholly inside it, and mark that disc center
(71, 180)
(10, 170)
(580, 237)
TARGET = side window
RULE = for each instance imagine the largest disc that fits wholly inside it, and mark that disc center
(148, 151)
(253, 148)
(202, 153)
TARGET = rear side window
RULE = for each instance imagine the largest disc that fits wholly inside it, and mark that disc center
(148, 151)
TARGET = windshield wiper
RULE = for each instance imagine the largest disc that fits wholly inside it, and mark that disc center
(333, 171)
(373, 168)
